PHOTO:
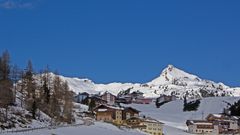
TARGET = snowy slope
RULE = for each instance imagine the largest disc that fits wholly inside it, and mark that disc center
(20, 118)
(97, 129)
(171, 81)
(170, 73)
(173, 116)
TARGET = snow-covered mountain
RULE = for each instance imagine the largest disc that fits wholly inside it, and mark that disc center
(171, 81)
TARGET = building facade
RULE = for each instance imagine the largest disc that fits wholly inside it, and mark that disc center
(110, 98)
(130, 112)
(201, 127)
(80, 97)
(215, 124)
(153, 127)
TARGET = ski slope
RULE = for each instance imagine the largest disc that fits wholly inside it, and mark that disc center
(173, 116)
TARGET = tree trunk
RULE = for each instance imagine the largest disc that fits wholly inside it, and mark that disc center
(6, 116)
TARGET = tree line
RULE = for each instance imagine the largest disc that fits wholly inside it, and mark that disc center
(35, 91)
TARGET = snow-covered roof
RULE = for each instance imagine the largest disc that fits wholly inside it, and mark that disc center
(199, 122)
(102, 110)
(111, 107)
(107, 92)
(117, 108)
(151, 120)
(217, 115)
(131, 109)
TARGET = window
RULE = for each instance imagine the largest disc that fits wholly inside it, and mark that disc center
(128, 115)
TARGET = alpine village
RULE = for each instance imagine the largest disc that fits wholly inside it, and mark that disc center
(27, 95)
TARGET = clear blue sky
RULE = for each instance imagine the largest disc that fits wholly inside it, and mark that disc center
(124, 40)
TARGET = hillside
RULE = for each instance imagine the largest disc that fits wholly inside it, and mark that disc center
(173, 116)
(18, 117)
(97, 129)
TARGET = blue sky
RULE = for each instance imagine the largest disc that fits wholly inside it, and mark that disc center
(124, 40)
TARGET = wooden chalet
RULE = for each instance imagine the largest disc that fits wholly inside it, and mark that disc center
(130, 112)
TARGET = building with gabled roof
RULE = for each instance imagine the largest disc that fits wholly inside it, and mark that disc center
(109, 113)
(109, 97)
(201, 127)
(153, 127)
(129, 112)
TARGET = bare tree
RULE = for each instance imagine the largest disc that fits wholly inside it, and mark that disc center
(6, 85)
(15, 77)
(68, 103)
(56, 98)
(30, 88)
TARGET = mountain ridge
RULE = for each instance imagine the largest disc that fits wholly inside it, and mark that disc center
(172, 81)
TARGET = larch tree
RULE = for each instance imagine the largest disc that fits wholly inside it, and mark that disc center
(30, 87)
(56, 98)
(6, 84)
(15, 77)
(46, 86)
(68, 103)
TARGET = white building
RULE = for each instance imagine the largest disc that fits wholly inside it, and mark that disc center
(153, 127)
(202, 127)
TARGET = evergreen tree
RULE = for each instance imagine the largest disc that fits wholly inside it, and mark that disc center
(157, 103)
(235, 109)
(191, 106)
(184, 100)
(92, 105)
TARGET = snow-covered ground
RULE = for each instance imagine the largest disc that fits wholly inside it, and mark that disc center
(175, 119)
(97, 129)
(171, 114)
